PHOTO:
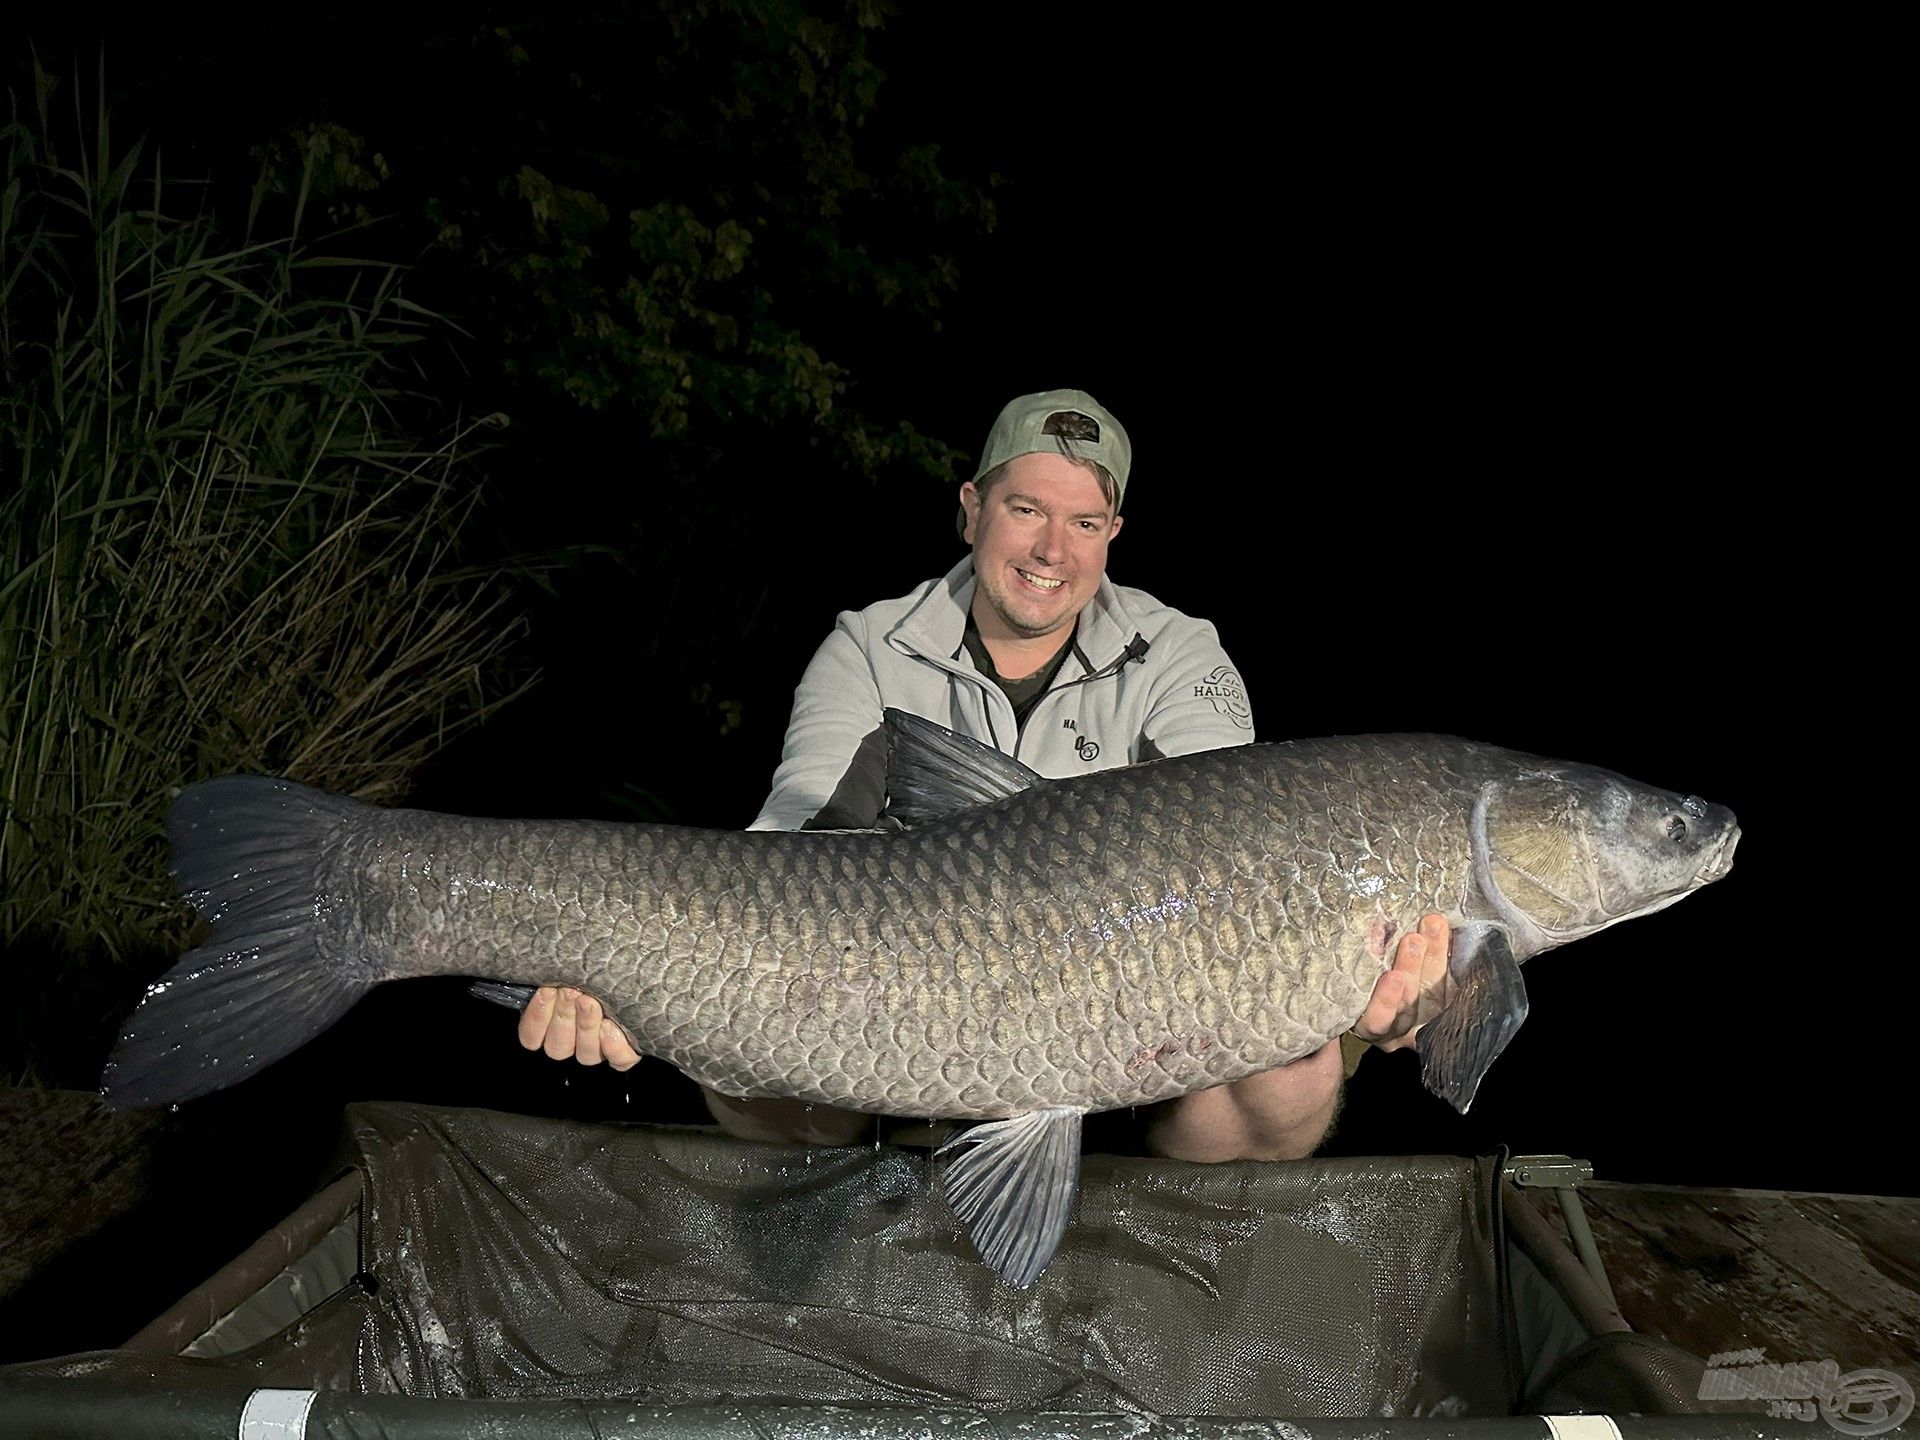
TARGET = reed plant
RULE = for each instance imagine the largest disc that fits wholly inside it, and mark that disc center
(228, 542)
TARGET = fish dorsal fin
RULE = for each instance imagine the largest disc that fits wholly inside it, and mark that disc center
(933, 772)
(1488, 1005)
(1013, 1188)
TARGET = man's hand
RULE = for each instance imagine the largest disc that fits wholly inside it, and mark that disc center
(1405, 997)
(567, 1024)
(1285, 1113)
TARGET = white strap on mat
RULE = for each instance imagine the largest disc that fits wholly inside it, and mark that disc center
(275, 1415)
(1582, 1427)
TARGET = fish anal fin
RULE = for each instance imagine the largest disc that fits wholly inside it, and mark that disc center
(933, 772)
(1488, 1004)
(1013, 1185)
(514, 997)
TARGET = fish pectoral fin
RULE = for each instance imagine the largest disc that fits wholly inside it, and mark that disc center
(1013, 1187)
(1488, 1004)
(514, 997)
(932, 771)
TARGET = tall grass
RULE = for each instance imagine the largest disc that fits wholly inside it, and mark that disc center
(220, 547)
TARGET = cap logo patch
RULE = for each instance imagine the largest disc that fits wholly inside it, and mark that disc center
(1072, 425)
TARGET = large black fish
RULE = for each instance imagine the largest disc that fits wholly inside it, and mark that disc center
(1004, 948)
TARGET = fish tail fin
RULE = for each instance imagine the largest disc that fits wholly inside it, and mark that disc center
(247, 852)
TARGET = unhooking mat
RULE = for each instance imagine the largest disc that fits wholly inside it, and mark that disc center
(509, 1257)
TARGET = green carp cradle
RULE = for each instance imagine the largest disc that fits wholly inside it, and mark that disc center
(1002, 948)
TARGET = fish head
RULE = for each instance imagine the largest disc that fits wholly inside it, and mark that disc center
(1570, 850)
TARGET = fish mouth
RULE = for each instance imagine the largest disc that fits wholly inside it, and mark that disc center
(1721, 861)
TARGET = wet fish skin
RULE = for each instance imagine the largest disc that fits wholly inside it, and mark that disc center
(1108, 940)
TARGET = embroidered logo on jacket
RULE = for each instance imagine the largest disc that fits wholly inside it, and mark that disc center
(1223, 688)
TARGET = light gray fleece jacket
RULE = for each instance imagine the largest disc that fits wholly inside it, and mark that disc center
(1141, 680)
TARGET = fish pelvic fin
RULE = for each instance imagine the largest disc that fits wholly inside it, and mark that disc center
(933, 772)
(1487, 1007)
(1013, 1187)
(247, 853)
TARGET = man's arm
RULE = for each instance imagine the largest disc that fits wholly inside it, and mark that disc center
(833, 762)
(1198, 701)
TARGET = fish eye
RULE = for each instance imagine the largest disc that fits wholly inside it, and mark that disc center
(1676, 828)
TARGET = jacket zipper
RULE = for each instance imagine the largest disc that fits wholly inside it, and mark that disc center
(1136, 650)
(987, 691)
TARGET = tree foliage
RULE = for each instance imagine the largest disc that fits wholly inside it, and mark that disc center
(677, 214)
(689, 264)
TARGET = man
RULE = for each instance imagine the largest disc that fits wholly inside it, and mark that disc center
(1027, 646)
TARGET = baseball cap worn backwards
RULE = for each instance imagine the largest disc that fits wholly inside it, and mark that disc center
(1068, 422)
(1058, 422)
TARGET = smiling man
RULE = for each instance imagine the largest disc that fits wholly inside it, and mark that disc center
(1027, 646)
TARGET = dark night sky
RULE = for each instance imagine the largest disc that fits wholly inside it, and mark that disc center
(1453, 365)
